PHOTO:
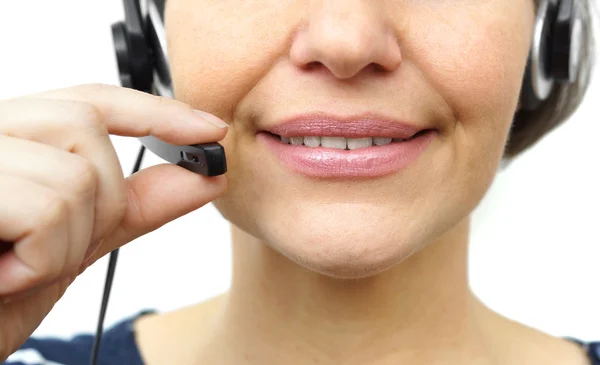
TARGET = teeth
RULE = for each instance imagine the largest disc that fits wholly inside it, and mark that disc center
(380, 141)
(354, 143)
(339, 142)
(333, 142)
(296, 140)
(312, 141)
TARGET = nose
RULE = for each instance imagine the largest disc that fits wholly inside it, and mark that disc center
(346, 37)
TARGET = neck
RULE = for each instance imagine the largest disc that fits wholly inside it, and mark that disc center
(419, 311)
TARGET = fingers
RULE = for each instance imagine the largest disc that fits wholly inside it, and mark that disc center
(71, 177)
(127, 112)
(79, 119)
(62, 189)
(62, 186)
(33, 216)
(74, 127)
(158, 195)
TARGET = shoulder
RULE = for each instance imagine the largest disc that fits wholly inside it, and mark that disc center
(594, 352)
(118, 347)
(592, 349)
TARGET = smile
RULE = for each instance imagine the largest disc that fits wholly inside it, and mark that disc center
(325, 146)
(330, 161)
(342, 143)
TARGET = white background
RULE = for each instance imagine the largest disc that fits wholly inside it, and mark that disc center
(535, 253)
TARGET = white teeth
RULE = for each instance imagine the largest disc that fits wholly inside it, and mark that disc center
(334, 142)
(312, 141)
(296, 140)
(354, 143)
(339, 142)
(380, 141)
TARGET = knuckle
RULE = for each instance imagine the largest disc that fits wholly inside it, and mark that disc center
(89, 116)
(84, 178)
(53, 210)
(120, 204)
(136, 205)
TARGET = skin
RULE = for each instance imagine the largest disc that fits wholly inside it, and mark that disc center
(353, 271)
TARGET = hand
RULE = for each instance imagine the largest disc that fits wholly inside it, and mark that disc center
(64, 200)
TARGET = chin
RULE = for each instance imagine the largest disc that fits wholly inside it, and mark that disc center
(340, 267)
(349, 247)
(343, 260)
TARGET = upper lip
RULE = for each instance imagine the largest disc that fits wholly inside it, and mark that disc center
(359, 126)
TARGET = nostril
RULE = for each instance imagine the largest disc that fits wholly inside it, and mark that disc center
(313, 65)
(378, 68)
(5, 247)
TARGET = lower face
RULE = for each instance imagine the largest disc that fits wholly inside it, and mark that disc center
(452, 69)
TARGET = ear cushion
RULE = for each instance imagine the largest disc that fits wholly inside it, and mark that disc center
(537, 82)
(567, 41)
(122, 49)
(528, 98)
(134, 57)
(555, 55)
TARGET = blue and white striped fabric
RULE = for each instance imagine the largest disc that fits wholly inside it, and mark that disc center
(119, 348)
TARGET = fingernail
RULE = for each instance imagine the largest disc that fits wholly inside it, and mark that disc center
(212, 119)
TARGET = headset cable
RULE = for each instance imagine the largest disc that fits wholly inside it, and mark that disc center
(110, 274)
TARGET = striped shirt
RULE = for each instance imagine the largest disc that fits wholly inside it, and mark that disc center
(119, 348)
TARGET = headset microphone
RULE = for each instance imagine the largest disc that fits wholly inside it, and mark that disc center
(140, 45)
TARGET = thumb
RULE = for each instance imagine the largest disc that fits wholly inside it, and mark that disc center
(156, 196)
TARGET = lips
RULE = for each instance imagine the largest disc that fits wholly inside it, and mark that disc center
(410, 141)
(319, 125)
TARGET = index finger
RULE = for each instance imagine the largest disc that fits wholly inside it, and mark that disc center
(133, 113)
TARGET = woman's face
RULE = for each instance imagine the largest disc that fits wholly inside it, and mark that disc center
(452, 67)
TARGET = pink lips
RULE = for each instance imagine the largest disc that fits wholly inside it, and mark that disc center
(369, 162)
(349, 128)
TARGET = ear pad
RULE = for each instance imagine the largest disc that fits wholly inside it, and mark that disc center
(567, 42)
(555, 51)
(134, 56)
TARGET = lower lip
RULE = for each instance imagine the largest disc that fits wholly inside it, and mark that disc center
(374, 161)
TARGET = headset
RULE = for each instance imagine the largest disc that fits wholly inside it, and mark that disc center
(555, 55)
(143, 63)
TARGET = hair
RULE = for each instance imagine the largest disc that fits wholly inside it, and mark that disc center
(529, 127)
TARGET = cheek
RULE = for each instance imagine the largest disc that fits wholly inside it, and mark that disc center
(478, 70)
(220, 54)
(219, 57)
(475, 66)
(477, 63)
(478, 67)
